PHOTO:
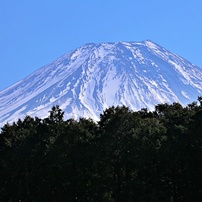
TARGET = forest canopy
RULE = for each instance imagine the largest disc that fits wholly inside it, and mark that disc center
(126, 156)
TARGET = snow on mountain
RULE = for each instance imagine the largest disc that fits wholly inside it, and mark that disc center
(94, 77)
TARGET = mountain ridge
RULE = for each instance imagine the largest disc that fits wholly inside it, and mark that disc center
(93, 77)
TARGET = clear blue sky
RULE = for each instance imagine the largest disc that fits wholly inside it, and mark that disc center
(34, 33)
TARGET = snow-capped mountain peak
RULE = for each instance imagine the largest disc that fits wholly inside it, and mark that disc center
(91, 78)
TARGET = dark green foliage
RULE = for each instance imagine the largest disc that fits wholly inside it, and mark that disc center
(127, 156)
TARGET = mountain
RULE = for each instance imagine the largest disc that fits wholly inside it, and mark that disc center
(94, 77)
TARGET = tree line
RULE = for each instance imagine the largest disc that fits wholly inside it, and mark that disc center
(126, 156)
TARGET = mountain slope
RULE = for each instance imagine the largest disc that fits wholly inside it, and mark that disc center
(93, 77)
